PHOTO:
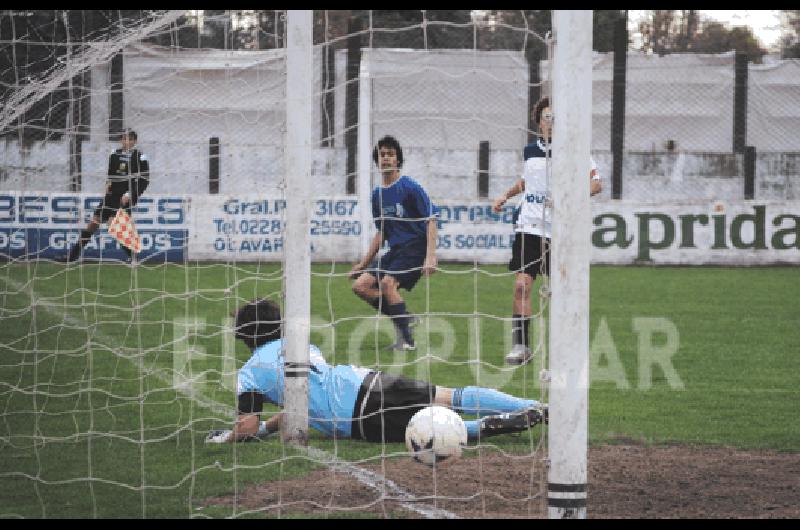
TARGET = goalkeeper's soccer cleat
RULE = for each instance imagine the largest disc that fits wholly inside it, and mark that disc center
(520, 354)
(511, 422)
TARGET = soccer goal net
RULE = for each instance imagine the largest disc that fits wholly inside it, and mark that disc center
(115, 366)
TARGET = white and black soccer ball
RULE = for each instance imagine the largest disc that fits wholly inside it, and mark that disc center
(435, 434)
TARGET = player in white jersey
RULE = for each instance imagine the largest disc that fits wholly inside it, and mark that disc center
(346, 401)
(533, 223)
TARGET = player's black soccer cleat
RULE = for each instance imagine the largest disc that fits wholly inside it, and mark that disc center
(511, 422)
(71, 256)
(404, 341)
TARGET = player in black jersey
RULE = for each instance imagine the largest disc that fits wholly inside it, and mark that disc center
(128, 177)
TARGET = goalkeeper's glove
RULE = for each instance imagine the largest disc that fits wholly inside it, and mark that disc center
(218, 436)
(221, 436)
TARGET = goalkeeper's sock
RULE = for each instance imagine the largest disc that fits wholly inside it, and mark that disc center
(483, 401)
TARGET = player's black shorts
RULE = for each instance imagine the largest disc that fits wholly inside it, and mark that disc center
(111, 202)
(526, 255)
(385, 404)
(402, 263)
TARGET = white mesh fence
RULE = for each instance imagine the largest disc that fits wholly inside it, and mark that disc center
(104, 363)
(113, 373)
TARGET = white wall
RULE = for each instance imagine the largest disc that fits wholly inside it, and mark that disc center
(183, 168)
(449, 99)
(440, 105)
(39, 166)
(773, 113)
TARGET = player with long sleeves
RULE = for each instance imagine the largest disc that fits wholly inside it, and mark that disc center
(128, 177)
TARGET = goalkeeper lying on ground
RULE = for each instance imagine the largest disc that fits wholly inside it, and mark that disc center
(346, 401)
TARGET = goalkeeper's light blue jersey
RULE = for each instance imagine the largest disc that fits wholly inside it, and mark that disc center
(332, 390)
(403, 209)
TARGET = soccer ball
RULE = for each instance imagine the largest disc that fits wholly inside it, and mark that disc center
(435, 434)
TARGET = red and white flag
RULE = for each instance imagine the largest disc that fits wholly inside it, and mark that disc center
(124, 231)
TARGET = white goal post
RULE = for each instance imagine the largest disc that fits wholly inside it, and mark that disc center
(259, 128)
(569, 277)
(297, 319)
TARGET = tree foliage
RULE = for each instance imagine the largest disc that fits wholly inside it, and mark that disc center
(790, 42)
(671, 31)
(716, 38)
(668, 31)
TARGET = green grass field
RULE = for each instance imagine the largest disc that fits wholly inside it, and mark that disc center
(93, 424)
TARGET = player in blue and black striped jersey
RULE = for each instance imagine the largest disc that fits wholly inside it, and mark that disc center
(353, 402)
(404, 218)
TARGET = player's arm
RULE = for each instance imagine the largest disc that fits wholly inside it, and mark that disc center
(138, 185)
(140, 182)
(595, 184)
(421, 207)
(248, 424)
(429, 267)
(516, 189)
(143, 178)
(375, 244)
(144, 166)
(250, 405)
(247, 427)
(374, 247)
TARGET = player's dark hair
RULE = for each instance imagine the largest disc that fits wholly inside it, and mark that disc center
(258, 322)
(391, 142)
(538, 109)
(131, 134)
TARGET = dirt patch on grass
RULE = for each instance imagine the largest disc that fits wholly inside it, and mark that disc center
(625, 481)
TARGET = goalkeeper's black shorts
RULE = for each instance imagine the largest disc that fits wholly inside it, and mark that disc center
(385, 405)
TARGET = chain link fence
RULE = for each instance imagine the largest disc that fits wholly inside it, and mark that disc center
(455, 87)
